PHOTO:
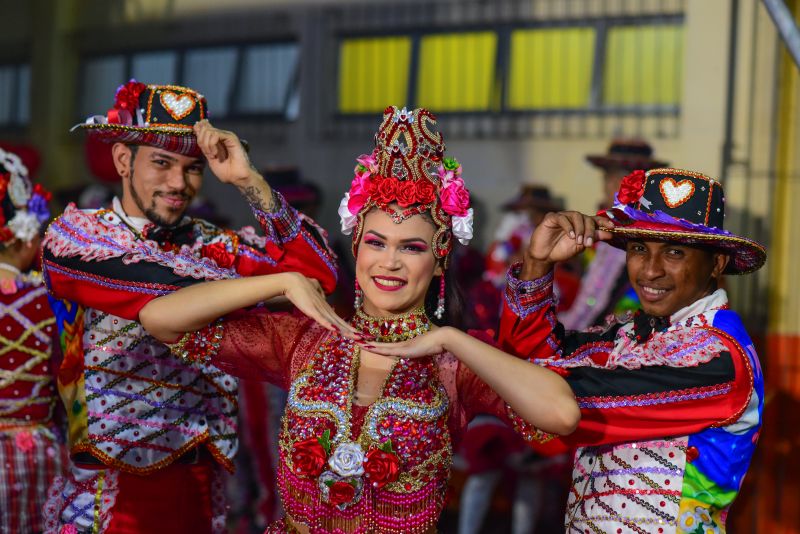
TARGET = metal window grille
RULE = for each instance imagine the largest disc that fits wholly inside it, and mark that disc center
(571, 68)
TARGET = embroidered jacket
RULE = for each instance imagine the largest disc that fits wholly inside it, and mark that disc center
(30, 453)
(670, 412)
(129, 402)
(423, 408)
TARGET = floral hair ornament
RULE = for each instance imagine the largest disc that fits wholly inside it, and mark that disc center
(408, 169)
(23, 205)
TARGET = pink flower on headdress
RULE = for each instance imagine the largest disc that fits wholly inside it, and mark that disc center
(368, 162)
(454, 195)
(359, 192)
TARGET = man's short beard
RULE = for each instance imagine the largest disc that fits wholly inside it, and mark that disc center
(149, 212)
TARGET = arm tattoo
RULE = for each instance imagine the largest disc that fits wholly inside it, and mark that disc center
(253, 195)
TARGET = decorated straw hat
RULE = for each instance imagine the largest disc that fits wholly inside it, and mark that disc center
(407, 174)
(627, 154)
(23, 205)
(162, 116)
(533, 196)
(680, 206)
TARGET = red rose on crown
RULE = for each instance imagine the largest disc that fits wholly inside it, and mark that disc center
(381, 467)
(632, 187)
(128, 96)
(308, 457)
(384, 190)
(406, 193)
(426, 191)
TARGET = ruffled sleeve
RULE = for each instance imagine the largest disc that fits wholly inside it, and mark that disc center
(255, 344)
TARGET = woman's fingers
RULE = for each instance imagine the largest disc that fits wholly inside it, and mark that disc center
(388, 349)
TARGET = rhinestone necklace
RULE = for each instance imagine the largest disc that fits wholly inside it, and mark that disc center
(395, 328)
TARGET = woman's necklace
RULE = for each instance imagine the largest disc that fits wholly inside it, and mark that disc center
(395, 328)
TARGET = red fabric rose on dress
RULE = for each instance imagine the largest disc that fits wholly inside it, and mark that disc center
(341, 493)
(632, 187)
(309, 457)
(406, 193)
(218, 253)
(426, 191)
(24, 441)
(128, 96)
(381, 467)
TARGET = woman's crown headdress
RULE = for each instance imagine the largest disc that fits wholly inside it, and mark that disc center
(408, 169)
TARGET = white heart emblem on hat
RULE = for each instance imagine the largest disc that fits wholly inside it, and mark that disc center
(177, 105)
(676, 193)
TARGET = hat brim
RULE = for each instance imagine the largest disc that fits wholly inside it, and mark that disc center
(746, 255)
(630, 163)
(178, 140)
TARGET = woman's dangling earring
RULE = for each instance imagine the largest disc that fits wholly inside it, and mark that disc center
(359, 297)
(439, 313)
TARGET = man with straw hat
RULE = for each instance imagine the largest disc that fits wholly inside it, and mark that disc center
(149, 434)
(671, 397)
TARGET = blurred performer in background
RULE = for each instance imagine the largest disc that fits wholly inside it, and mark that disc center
(149, 434)
(671, 397)
(604, 286)
(494, 455)
(31, 449)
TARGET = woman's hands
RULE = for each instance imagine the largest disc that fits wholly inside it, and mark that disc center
(307, 296)
(428, 344)
(561, 236)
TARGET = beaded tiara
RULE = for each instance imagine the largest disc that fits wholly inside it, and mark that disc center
(407, 174)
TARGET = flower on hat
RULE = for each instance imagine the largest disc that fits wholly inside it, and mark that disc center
(127, 96)
(632, 187)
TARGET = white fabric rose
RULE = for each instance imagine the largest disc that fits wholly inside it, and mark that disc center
(348, 220)
(24, 226)
(462, 227)
(347, 460)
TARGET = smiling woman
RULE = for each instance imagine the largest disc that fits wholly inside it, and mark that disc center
(375, 405)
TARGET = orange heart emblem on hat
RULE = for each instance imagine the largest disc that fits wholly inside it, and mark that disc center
(676, 193)
(177, 105)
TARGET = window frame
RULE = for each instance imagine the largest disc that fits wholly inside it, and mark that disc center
(181, 51)
(596, 107)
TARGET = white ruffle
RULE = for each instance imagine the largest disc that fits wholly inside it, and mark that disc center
(462, 227)
(25, 226)
(347, 219)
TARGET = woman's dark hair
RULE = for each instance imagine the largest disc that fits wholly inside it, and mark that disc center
(453, 300)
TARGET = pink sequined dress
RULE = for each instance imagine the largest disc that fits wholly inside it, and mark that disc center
(422, 410)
